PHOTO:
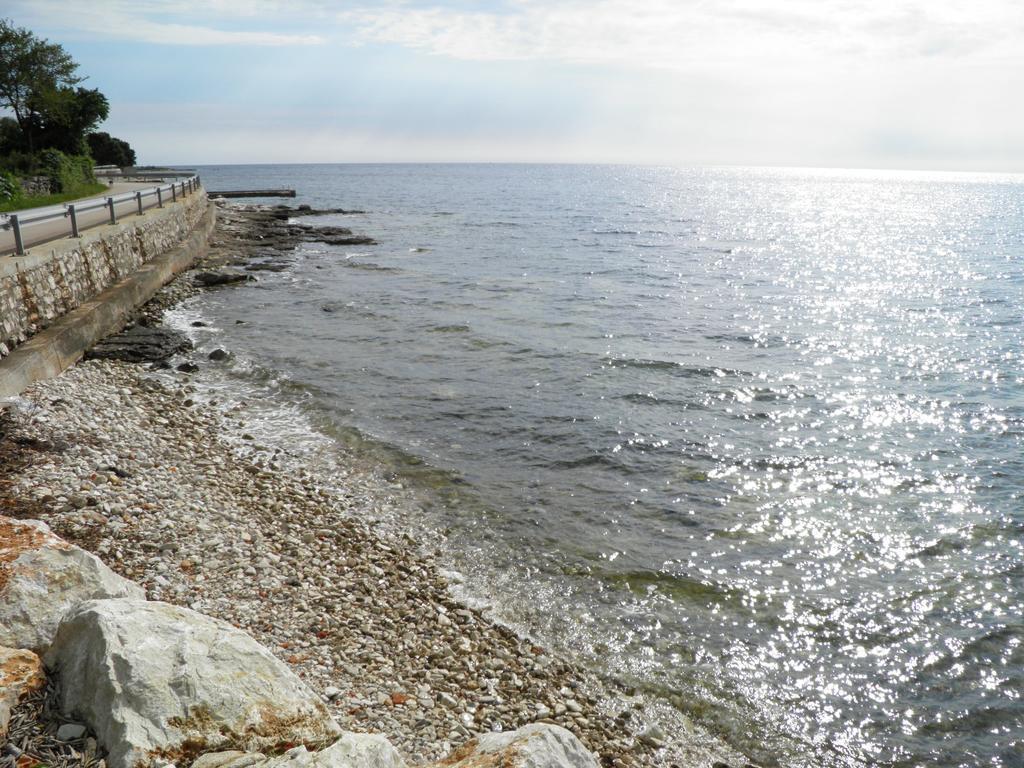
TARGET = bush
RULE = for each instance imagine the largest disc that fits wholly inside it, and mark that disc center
(10, 189)
(20, 163)
(66, 172)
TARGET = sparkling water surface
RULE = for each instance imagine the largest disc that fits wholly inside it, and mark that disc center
(748, 439)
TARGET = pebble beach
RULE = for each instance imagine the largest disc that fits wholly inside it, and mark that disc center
(171, 492)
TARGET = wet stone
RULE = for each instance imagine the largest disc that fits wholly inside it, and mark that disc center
(141, 344)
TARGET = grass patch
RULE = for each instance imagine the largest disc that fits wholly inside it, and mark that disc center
(21, 203)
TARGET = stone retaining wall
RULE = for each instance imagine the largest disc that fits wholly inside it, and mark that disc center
(34, 186)
(55, 278)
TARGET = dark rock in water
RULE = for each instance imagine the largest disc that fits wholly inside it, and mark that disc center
(188, 367)
(270, 266)
(198, 324)
(239, 322)
(329, 231)
(209, 279)
(305, 210)
(219, 354)
(141, 344)
(347, 240)
(283, 212)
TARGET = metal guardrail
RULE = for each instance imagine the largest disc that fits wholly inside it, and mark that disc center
(145, 199)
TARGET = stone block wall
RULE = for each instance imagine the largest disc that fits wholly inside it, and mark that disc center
(37, 289)
(35, 186)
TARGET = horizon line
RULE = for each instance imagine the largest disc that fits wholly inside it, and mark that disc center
(616, 163)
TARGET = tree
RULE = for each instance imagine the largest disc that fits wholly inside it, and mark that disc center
(31, 66)
(10, 135)
(63, 116)
(108, 150)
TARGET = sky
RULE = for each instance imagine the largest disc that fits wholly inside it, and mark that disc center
(902, 84)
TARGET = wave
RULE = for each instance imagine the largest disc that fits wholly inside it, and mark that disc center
(678, 587)
(590, 460)
(330, 307)
(449, 329)
(679, 369)
(368, 266)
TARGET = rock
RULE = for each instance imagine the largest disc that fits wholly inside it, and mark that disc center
(42, 577)
(653, 737)
(141, 344)
(188, 367)
(352, 750)
(219, 354)
(268, 266)
(346, 240)
(70, 732)
(157, 681)
(21, 673)
(209, 279)
(284, 212)
(228, 757)
(330, 231)
(533, 746)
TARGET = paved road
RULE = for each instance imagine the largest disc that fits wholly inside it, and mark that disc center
(34, 233)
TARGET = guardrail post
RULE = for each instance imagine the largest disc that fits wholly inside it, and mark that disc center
(159, 198)
(138, 201)
(174, 193)
(74, 220)
(110, 205)
(19, 244)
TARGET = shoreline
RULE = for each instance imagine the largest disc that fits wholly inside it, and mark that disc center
(137, 471)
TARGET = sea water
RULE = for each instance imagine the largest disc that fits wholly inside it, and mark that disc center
(749, 440)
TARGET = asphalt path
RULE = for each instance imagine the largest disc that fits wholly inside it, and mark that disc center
(36, 232)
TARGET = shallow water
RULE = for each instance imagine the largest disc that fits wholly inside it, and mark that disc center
(750, 439)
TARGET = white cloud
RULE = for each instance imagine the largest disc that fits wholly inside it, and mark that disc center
(158, 21)
(143, 31)
(698, 34)
(882, 83)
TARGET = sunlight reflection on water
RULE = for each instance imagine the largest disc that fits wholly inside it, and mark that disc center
(751, 438)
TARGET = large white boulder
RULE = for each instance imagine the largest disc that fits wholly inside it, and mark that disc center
(352, 750)
(41, 577)
(160, 682)
(533, 746)
(21, 673)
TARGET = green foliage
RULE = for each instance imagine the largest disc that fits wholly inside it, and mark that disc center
(53, 118)
(19, 163)
(67, 172)
(20, 203)
(63, 117)
(31, 66)
(108, 150)
(10, 135)
(10, 189)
